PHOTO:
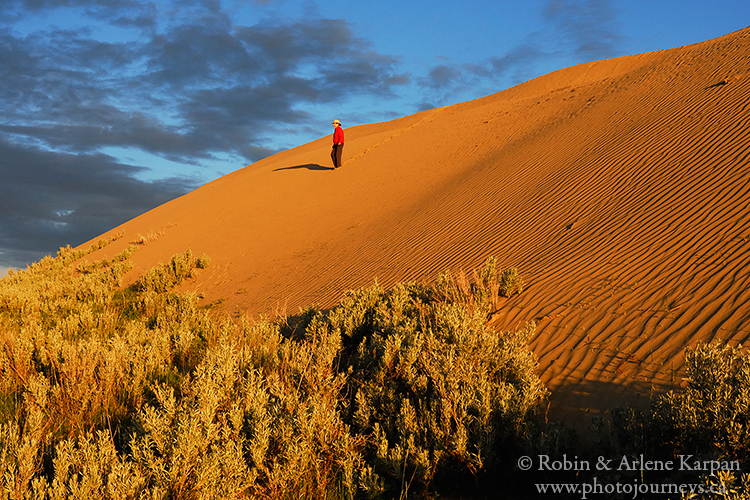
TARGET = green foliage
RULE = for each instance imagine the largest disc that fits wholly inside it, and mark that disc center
(78, 356)
(724, 485)
(258, 418)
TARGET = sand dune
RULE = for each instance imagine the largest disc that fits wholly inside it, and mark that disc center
(619, 189)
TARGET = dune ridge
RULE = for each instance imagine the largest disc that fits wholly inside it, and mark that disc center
(619, 188)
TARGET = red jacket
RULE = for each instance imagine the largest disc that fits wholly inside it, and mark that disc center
(338, 135)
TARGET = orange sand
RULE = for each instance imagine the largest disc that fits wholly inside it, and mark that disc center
(619, 189)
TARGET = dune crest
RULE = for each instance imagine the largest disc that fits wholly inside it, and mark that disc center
(619, 189)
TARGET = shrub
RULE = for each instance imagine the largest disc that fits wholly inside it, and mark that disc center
(163, 277)
(77, 358)
(111, 392)
(432, 387)
(137, 392)
(712, 414)
(708, 419)
(725, 485)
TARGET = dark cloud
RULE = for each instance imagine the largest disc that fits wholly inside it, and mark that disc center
(216, 84)
(38, 5)
(125, 13)
(520, 57)
(181, 81)
(49, 199)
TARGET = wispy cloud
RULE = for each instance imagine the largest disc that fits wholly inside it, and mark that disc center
(588, 27)
(579, 30)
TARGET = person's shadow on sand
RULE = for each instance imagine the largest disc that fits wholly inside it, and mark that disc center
(309, 166)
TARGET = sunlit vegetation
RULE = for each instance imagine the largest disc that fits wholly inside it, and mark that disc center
(112, 391)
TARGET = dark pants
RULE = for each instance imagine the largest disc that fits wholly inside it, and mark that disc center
(336, 153)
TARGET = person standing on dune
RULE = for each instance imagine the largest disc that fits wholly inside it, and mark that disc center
(338, 144)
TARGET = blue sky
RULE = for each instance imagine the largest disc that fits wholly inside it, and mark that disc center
(109, 108)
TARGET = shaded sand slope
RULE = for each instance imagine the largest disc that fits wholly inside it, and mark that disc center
(619, 188)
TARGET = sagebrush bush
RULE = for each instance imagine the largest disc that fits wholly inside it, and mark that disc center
(431, 386)
(137, 392)
(712, 413)
(164, 277)
(708, 419)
